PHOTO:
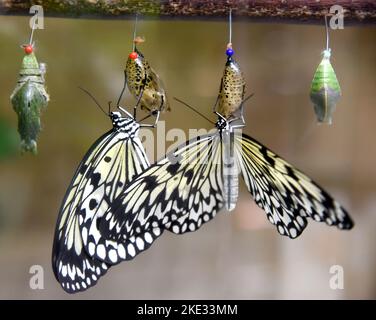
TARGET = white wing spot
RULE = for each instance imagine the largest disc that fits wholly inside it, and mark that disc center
(148, 237)
(131, 250)
(293, 232)
(91, 249)
(300, 220)
(101, 252)
(64, 271)
(112, 255)
(140, 243)
(175, 229)
(121, 251)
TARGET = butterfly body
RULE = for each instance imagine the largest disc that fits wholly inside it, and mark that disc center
(229, 110)
(230, 168)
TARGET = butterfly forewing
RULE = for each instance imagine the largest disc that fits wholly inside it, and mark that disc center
(178, 193)
(99, 180)
(73, 268)
(286, 194)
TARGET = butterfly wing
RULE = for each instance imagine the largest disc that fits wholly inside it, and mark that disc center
(286, 194)
(178, 193)
(101, 176)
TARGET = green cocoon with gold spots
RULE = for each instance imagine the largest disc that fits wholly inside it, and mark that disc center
(325, 90)
(28, 99)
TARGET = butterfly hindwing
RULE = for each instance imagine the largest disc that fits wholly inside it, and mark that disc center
(178, 193)
(286, 194)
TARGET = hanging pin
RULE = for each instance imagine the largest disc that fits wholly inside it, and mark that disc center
(29, 97)
(325, 89)
(232, 88)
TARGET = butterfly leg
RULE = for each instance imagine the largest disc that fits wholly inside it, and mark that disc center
(215, 105)
(123, 89)
(155, 113)
(137, 103)
(219, 115)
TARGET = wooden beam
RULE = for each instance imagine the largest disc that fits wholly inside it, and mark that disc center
(289, 11)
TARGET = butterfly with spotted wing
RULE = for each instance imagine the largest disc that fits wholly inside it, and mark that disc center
(106, 169)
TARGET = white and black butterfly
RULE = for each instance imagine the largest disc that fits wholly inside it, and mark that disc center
(109, 165)
(190, 185)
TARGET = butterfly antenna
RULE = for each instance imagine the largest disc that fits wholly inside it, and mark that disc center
(93, 98)
(247, 98)
(193, 109)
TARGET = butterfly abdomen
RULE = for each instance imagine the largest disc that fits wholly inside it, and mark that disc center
(230, 171)
(231, 92)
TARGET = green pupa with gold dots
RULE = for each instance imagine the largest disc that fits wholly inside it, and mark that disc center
(325, 90)
(29, 98)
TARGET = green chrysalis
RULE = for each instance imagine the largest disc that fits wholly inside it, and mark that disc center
(325, 89)
(29, 98)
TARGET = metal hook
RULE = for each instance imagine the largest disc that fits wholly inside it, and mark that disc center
(32, 33)
(230, 27)
(134, 33)
(327, 32)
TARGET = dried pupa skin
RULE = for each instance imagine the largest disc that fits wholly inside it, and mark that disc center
(232, 89)
(29, 98)
(325, 90)
(141, 78)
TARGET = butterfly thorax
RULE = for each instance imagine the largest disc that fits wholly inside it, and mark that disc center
(222, 124)
(232, 89)
(126, 125)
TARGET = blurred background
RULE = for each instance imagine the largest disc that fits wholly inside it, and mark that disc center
(238, 255)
